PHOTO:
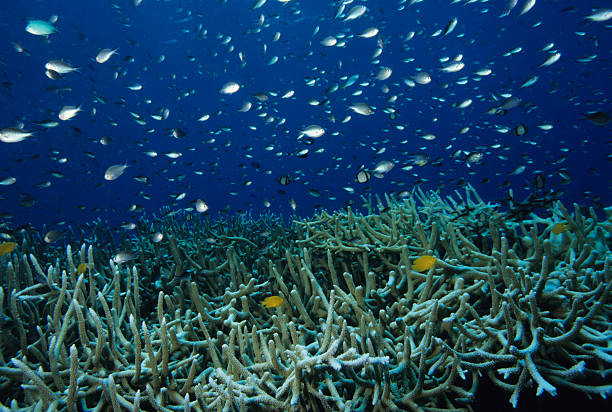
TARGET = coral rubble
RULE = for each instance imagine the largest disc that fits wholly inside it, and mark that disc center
(181, 326)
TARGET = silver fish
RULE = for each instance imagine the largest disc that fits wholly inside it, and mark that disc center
(114, 171)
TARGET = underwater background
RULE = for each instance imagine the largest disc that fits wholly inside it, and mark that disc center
(216, 148)
(179, 54)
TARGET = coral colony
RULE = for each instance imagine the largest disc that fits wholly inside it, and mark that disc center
(407, 307)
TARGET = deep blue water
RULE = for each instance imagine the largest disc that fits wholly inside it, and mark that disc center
(239, 157)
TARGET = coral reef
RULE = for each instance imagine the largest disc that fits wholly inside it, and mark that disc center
(181, 326)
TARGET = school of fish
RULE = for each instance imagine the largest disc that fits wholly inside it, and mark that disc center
(287, 104)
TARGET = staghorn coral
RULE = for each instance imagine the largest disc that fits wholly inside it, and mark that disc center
(182, 328)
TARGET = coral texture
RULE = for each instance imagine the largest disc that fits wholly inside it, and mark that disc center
(181, 326)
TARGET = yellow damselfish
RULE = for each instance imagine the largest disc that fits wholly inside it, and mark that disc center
(272, 302)
(81, 268)
(424, 263)
(7, 247)
(559, 228)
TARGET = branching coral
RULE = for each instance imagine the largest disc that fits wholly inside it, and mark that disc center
(182, 328)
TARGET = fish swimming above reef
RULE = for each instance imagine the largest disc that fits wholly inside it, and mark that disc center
(60, 67)
(362, 109)
(13, 135)
(8, 181)
(229, 88)
(473, 157)
(355, 12)
(450, 26)
(600, 15)
(363, 176)
(598, 118)
(123, 256)
(201, 206)
(267, 105)
(40, 28)
(384, 166)
(553, 58)
(68, 112)
(105, 54)
(313, 131)
(53, 236)
(114, 172)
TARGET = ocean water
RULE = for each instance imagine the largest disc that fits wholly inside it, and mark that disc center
(181, 53)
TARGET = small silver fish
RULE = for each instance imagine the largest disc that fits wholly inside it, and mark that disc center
(68, 112)
(201, 206)
(313, 131)
(53, 236)
(114, 171)
(60, 67)
(104, 55)
(601, 15)
(362, 109)
(13, 135)
(355, 13)
(383, 167)
(123, 257)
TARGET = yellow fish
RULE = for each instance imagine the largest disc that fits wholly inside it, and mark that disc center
(81, 268)
(7, 247)
(424, 263)
(272, 302)
(559, 228)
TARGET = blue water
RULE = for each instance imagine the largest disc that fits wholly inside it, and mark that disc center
(235, 172)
